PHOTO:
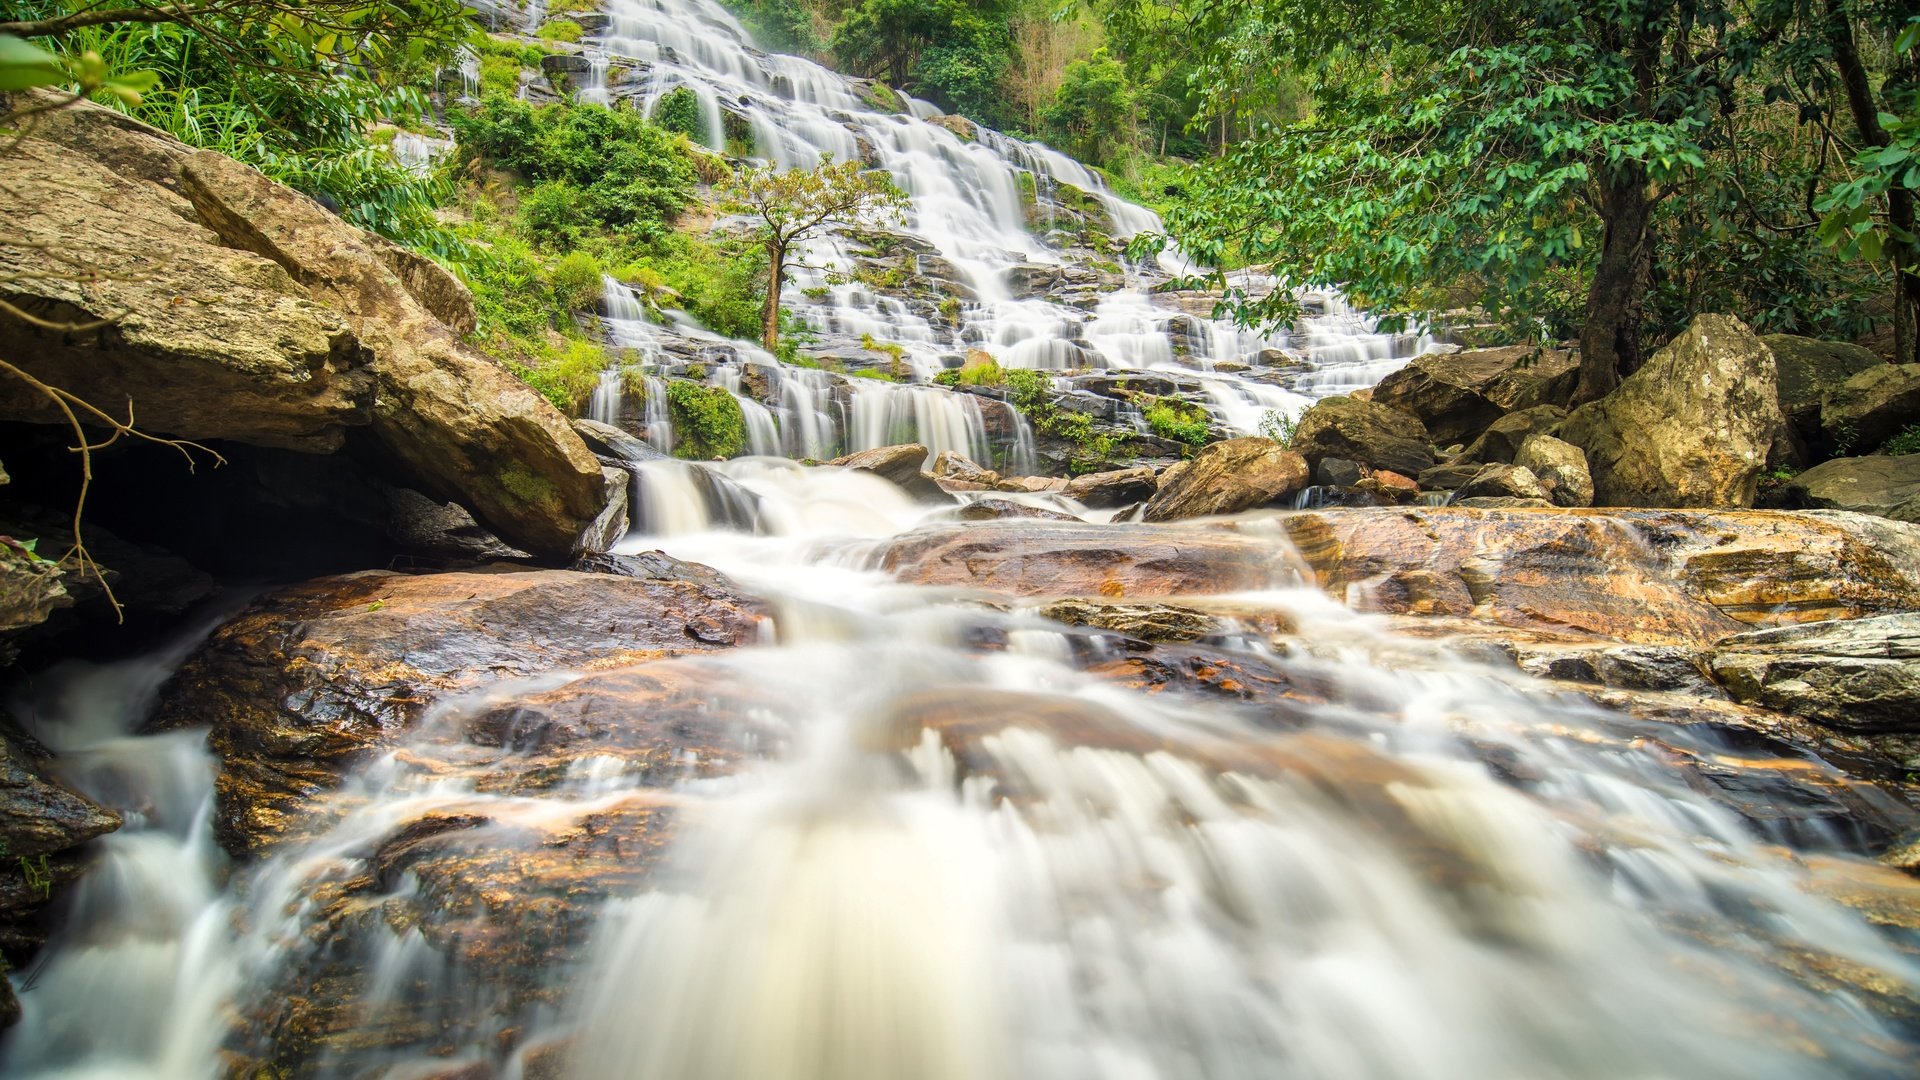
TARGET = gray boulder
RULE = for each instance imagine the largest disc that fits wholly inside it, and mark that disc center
(1503, 482)
(1867, 485)
(1871, 407)
(1456, 395)
(1502, 439)
(1858, 674)
(1810, 369)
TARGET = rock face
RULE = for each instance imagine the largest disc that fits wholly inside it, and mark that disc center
(1456, 395)
(1227, 477)
(1872, 407)
(1810, 369)
(1560, 467)
(234, 308)
(1643, 577)
(1364, 432)
(1503, 482)
(1858, 675)
(309, 678)
(1887, 486)
(1503, 438)
(1691, 428)
(1115, 488)
(899, 464)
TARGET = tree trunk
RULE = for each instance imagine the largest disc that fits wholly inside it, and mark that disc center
(1610, 341)
(1900, 205)
(770, 315)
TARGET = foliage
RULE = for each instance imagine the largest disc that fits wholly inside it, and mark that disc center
(1279, 426)
(1093, 111)
(781, 25)
(707, 421)
(1907, 442)
(679, 110)
(1178, 420)
(1032, 393)
(560, 30)
(593, 168)
(300, 117)
(797, 205)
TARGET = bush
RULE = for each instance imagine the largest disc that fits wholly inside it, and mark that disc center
(1907, 442)
(593, 168)
(565, 373)
(679, 110)
(707, 421)
(499, 75)
(1279, 426)
(560, 30)
(1178, 420)
(577, 280)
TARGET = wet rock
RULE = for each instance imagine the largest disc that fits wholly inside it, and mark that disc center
(1560, 467)
(1691, 428)
(42, 824)
(1639, 577)
(899, 464)
(1115, 488)
(1031, 485)
(965, 129)
(1028, 280)
(1228, 477)
(1886, 486)
(1502, 440)
(1337, 472)
(1810, 370)
(1871, 407)
(995, 509)
(1372, 434)
(31, 587)
(1046, 558)
(1502, 481)
(1456, 395)
(1502, 502)
(948, 465)
(612, 443)
(1859, 675)
(1146, 622)
(308, 679)
(1448, 477)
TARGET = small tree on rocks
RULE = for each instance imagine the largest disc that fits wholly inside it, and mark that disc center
(799, 204)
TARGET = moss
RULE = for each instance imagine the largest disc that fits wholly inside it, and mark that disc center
(1032, 393)
(707, 422)
(560, 30)
(536, 491)
(882, 98)
(738, 134)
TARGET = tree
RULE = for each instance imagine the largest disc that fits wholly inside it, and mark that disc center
(1092, 112)
(886, 38)
(799, 204)
(1522, 147)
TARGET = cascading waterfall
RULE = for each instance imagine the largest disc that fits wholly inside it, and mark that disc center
(988, 231)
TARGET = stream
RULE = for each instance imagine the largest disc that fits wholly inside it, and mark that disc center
(947, 845)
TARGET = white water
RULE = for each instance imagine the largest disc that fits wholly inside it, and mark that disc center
(969, 215)
(1076, 880)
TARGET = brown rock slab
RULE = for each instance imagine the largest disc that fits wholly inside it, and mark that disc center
(1228, 477)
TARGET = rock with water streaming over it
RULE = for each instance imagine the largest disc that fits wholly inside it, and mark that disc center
(1058, 559)
(1859, 675)
(308, 680)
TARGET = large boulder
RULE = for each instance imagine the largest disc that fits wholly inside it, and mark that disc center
(1076, 559)
(1859, 675)
(1640, 576)
(1560, 467)
(1114, 488)
(1456, 395)
(1366, 432)
(902, 465)
(1691, 428)
(1228, 477)
(1887, 486)
(1503, 482)
(310, 678)
(226, 306)
(1809, 370)
(1871, 407)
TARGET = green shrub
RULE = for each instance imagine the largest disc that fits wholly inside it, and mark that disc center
(679, 110)
(1907, 442)
(560, 30)
(1279, 426)
(1178, 420)
(499, 75)
(707, 421)
(577, 283)
(563, 373)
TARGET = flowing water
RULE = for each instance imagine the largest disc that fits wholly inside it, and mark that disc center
(925, 831)
(1018, 248)
(912, 834)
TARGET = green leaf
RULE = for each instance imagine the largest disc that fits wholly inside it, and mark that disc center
(24, 65)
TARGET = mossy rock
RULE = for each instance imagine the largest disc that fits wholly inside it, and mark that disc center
(708, 422)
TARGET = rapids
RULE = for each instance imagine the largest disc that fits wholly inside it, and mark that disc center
(953, 849)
